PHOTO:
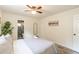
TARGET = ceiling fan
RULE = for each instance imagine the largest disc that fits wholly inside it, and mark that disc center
(34, 9)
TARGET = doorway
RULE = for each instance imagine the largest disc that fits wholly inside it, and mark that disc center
(76, 33)
(20, 29)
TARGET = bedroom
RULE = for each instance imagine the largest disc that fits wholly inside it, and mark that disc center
(55, 24)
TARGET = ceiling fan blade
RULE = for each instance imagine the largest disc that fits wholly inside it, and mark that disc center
(39, 12)
(39, 7)
(27, 10)
(33, 7)
(29, 6)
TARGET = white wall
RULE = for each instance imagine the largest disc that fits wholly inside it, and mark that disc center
(61, 34)
(28, 22)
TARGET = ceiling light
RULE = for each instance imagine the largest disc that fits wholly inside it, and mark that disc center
(19, 24)
(33, 12)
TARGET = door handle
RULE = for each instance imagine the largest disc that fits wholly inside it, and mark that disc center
(74, 34)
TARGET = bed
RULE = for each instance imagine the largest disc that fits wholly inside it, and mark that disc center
(6, 44)
(34, 46)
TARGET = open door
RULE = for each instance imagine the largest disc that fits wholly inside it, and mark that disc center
(20, 29)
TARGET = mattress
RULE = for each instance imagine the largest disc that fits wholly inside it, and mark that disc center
(6, 48)
(34, 46)
(21, 48)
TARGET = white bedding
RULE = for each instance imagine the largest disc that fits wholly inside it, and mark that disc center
(31, 46)
(21, 48)
(38, 45)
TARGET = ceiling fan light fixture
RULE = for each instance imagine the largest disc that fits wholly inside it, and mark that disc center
(34, 9)
(19, 24)
(33, 12)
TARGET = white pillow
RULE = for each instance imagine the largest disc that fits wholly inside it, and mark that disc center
(35, 36)
(8, 36)
(2, 39)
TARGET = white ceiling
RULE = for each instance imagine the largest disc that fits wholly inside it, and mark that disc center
(48, 9)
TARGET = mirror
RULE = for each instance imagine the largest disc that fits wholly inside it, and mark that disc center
(35, 29)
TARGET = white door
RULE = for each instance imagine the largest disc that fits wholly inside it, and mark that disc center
(76, 33)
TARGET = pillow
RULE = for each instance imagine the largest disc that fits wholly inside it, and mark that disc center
(2, 39)
(8, 36)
